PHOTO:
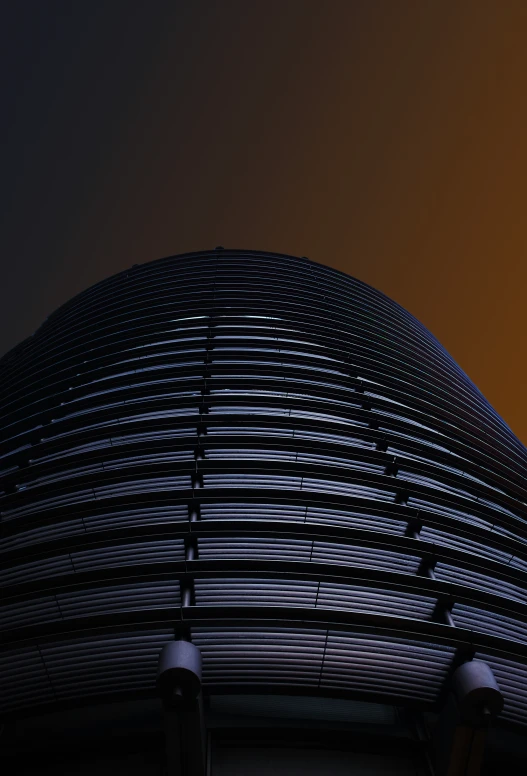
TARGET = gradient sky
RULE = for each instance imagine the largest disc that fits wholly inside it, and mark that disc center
(386, 138)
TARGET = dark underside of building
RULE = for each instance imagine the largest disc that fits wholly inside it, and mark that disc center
(255, 520)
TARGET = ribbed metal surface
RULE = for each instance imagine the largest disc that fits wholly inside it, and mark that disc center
(272, 457)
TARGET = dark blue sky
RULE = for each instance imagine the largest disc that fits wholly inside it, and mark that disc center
(385, 139)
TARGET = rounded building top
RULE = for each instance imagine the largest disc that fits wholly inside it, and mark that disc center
(270, 459)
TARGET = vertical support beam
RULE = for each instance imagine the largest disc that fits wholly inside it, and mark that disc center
(187, 582)
(474, 700)
(443, 608)
(179, 685)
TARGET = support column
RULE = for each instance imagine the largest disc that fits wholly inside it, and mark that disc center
(474, 700)
(179, 685)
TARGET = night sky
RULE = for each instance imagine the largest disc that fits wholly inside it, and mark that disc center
(386, 138)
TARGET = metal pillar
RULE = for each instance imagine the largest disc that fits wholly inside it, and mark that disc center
(179, 685)
(473, 701)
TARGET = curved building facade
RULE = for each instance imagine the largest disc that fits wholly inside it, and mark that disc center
(270, 460)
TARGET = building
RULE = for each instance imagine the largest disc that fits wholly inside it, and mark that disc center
(258, 462)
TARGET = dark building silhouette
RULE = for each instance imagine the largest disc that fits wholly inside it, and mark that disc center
(258, 489)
